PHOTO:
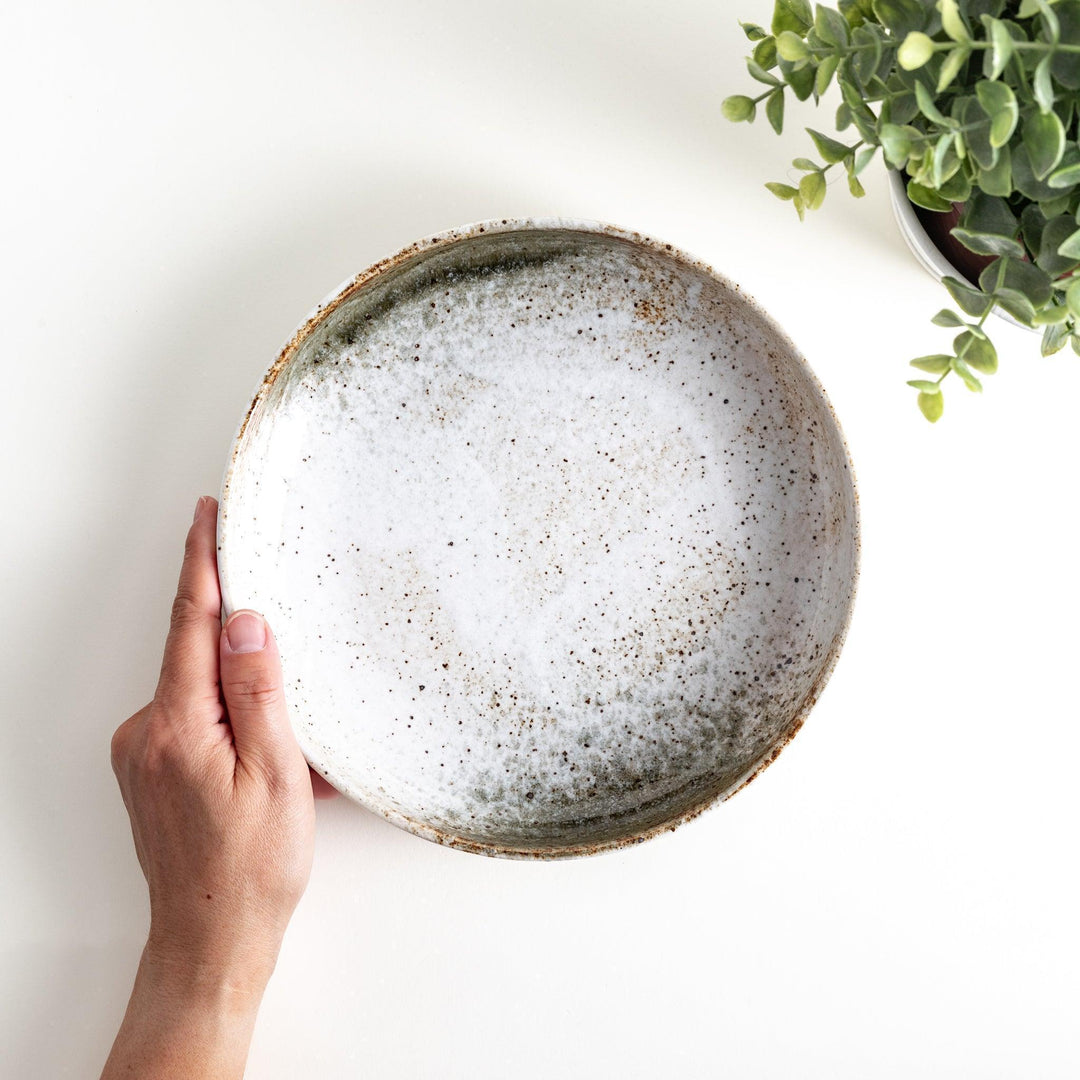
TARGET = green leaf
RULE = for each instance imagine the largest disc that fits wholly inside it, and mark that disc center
(1024, 179)
(1050, 20)
(831, 26)
(1051, 315)
(1067, 172)
(765, 53)
(946, 317)
(999, 104)
(793, 15)
(851, 95)
(988, 243)
(1070, 247)
(1001, 47)
(1058, 205)
(1055, 337)
(825, 71)
(915, 51)
(951, 160)
(1032, 223)
(1068, 13)
(753, 31)
(967, 375)
(1016, 304)
(1063, 67)
(1072, 298)
(806, 165)
(774, 109)
(1059, 232)
(898, 106)
(998, 180)
(812, 190)
(862, 159)
(954, 61)
(843, 116)
(970, 300)
(918, 168)
(926, 197)
(896, 142)
(927, 386)
(976, 130)
(928, 108)
(855, 187)
(799, 76)
(939, 158)
(800, 207)
(978, 352)
(855, 11)
(782, 191)
(957, 188)
(1044, 140)
(738, 107)
(1023, 277)
(866, 125)
(931, 405)
(936, 363)
(986, 214)
(831, 150)
(762, 76)
(1043, 88)
(900, 17)
(789, 46)
(867, 39)
(951, 22)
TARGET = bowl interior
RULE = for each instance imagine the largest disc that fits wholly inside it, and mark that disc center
(557, 534)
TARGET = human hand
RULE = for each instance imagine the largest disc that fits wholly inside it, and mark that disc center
(221, 806)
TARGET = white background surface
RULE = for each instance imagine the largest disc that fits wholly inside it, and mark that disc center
(896, 897)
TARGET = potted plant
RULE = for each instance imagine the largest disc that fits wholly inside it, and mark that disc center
(975, 105)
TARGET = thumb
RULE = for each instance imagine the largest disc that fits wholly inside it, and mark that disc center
(252, 686)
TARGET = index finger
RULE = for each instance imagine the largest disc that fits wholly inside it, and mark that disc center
(189, 670)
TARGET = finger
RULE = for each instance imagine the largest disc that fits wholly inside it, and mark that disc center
(321, 788)
(251, 684)
(189, 671)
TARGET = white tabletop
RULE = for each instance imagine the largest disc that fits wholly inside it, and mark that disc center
(896, 897)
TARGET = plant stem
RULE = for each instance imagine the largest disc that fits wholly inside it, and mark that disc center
(1019, 46)
(851, 150)
(982, 318)
(1038, 46)
(943, 46)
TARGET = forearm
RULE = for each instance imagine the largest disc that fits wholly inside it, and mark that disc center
(185, 1023)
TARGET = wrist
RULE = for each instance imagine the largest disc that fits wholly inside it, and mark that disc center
(185, 1019)
(192, 977)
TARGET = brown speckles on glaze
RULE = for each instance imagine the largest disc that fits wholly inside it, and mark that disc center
(574, 527)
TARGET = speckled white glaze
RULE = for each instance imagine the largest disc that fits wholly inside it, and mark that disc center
(556, 531)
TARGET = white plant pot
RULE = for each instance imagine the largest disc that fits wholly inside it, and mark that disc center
(922, 247)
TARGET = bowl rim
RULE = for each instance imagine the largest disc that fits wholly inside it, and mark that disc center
(448, 238)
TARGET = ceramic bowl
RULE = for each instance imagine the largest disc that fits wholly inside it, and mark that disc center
(556, 530)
